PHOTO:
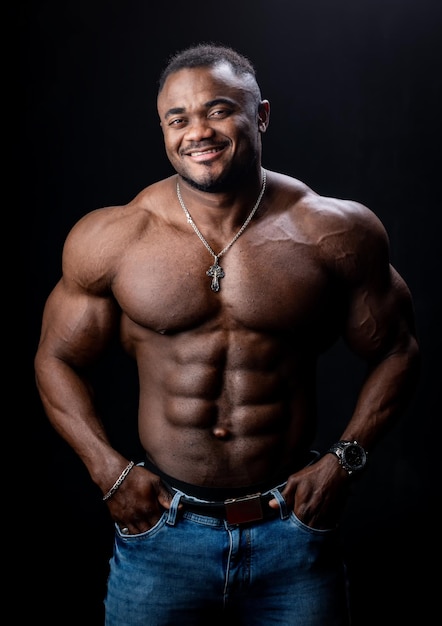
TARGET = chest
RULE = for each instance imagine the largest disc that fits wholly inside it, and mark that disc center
(267, 286)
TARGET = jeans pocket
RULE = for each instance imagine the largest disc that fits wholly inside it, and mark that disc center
(310, 529)
(151, 531)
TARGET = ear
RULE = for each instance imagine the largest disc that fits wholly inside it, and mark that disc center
(263, 115)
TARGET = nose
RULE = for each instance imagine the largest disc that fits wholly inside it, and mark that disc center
(199, 128)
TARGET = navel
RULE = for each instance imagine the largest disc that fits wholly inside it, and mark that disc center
(221, 433)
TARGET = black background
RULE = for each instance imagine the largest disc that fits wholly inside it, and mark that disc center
(355, 93)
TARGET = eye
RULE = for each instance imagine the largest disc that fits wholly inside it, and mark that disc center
(176, 121)
(220, 113)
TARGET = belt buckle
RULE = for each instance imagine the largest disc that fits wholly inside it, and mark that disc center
(244, 509)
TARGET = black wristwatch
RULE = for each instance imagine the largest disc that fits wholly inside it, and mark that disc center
(351, 455)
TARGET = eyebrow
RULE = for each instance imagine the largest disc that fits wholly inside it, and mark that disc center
(207, 105)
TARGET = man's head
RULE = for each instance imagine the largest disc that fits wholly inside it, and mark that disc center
(212, 116)
(209, 55)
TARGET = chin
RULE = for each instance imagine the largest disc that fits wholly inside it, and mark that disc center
(211, 185)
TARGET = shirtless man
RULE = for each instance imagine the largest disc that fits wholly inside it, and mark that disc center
(225, 282)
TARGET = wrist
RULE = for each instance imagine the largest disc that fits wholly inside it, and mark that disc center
(121, 478)
(351, 455)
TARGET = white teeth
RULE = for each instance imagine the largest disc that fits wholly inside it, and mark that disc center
(203, 152)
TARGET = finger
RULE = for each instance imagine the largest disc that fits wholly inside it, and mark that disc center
(273, 504)
(164, 497)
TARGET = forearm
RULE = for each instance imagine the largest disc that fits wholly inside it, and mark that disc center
(68, 401)
(384, 395)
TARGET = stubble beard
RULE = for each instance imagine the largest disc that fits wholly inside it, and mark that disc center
(229, 180)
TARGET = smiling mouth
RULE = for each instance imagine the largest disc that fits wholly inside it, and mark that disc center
(197, 153)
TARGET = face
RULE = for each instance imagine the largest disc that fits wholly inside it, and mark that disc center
(212, 125)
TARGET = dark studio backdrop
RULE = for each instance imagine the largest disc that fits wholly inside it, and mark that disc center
(355, 91)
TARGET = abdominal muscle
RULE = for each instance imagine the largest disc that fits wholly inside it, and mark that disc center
(223, 408)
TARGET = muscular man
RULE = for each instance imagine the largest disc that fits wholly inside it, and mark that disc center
(225, 282)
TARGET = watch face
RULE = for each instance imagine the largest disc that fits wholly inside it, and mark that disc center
(354, 456)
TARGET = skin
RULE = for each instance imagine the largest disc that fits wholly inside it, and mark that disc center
(227, 379)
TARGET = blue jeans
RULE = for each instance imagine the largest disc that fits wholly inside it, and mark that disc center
(194, 570)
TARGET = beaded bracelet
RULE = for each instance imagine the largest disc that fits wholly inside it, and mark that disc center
(118, 482)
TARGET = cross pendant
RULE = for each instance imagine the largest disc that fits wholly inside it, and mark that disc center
(216, 272)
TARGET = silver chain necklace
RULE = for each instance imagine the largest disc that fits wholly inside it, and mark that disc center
(215, 271)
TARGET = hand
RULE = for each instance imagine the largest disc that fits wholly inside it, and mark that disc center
(317, 493)
(139, 502)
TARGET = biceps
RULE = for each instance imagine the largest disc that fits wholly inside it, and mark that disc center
(77, 326)
(380, 319)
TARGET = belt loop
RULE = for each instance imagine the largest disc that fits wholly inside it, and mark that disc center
(173, 511)
(282, 503)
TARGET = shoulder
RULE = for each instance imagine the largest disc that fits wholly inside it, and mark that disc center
(345, 234)
(99, 240)
(319, 213)
(336, 220)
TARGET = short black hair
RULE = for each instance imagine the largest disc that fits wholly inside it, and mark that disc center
(208, 55)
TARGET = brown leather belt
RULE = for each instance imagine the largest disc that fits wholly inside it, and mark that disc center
(243, 510)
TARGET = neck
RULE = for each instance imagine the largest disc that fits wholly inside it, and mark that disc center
(227, 206)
